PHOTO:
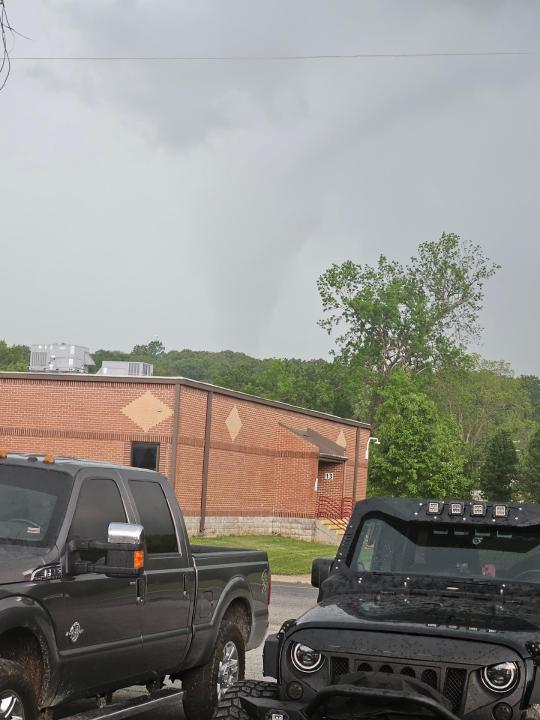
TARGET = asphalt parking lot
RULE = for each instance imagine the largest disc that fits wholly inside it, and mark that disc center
(288, 601)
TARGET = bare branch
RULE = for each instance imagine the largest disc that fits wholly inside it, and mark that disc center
(6, 31)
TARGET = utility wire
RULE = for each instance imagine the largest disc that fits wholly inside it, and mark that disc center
(278, 58)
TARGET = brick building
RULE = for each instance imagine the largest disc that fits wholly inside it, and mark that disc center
(237, 462)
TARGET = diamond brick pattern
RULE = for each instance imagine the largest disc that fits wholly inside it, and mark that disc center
(234, 423)
(147, 411)
(341, 440)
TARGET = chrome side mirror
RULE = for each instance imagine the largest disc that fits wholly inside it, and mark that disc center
(126, 534)
(125, 555)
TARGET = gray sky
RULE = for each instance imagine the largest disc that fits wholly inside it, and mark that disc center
(198, 202)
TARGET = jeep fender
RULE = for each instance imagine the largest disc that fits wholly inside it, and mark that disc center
(532, 694)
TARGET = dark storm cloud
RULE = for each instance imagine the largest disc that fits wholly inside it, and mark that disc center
(204, 198)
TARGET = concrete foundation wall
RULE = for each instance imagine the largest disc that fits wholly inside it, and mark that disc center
(299, 528)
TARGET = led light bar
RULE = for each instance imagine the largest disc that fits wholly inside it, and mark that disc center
(478, 510)
(434, 508)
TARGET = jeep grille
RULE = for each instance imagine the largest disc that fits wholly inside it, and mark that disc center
(454, 685)
(449, 681)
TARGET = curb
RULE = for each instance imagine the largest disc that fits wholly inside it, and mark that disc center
(292, 579)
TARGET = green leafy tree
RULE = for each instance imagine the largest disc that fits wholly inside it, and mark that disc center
(531, 385)
(413, 317)
(482, 396)
(420, 452)
(154, 349)
(239, 373)
(14, 358)
(499, 469)
(528, 487)
(199, 364)
(314, 384)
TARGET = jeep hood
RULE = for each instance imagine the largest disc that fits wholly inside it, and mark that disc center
(405, 612)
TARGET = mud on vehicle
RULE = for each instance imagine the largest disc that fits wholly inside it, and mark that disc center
(429, 609)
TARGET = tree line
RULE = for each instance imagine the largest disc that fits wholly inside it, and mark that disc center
(450, 423)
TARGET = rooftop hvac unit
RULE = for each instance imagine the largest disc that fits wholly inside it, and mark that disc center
(60, 358)
(126, 367)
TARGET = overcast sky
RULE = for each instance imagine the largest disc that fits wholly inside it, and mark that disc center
(199, 201)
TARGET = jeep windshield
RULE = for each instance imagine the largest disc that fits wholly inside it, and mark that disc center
(391, 546)
(33, 502)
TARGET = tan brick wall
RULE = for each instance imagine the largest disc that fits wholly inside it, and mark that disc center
(257, 467)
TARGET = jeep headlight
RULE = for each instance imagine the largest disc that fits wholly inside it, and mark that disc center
(306, 659)
(500, 678)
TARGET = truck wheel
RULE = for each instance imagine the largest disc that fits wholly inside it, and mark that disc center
(17, 698)
(206, 685)
(230, 708)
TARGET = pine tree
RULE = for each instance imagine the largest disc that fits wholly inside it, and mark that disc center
(499, 469)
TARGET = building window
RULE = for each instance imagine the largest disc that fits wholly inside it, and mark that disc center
(145, 455)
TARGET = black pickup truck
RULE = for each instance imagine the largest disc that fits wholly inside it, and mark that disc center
(100, 590)
(429, 609)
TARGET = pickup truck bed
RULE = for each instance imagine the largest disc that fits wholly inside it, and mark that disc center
(219, 570)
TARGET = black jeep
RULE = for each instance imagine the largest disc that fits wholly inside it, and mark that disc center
(429, 609)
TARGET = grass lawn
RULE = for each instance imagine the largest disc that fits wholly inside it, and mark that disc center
(286, 555)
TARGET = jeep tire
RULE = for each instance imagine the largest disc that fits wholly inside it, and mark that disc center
(230, 707)
(17, 696)
(206, 685)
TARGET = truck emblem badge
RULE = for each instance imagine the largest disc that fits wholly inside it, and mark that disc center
(75, 632)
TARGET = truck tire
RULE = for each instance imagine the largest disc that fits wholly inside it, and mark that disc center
(205, 686)
(17, 697)
(230, 708)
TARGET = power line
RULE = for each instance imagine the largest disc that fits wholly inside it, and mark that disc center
(278, 58)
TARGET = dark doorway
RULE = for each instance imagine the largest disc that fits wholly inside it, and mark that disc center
(145, 455)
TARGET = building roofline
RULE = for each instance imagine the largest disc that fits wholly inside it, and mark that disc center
(328, 449)
(187, 382)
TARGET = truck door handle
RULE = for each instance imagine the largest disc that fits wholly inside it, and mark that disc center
(186, 585)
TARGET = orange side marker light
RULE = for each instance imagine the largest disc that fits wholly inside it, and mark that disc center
(138, 559)
(49, 459)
